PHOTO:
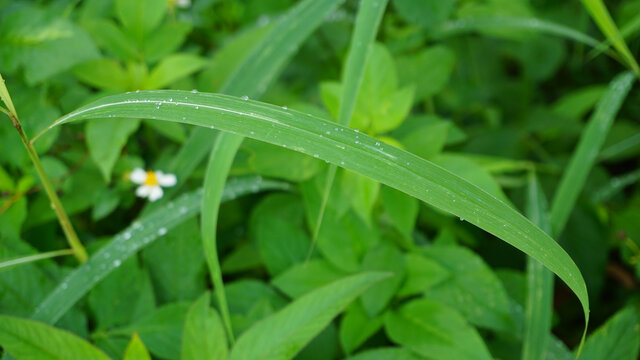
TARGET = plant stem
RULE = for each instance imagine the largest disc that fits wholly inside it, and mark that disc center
(78, 250)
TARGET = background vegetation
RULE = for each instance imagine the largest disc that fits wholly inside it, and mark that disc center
(371, 199)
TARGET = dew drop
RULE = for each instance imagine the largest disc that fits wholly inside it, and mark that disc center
(162, 231)
(116, 263)
(244, 97)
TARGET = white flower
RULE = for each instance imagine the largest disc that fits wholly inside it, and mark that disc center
(151, 183)
(182, 3)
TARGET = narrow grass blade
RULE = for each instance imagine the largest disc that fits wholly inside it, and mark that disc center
(615, 185)
(461, 26)
(283, 334)
(601, 16)
(367, 22)
(351, 150)
(251, 78)
(630, 29)
(126, 243)
(28, 339)
(591, 140)
(6, 265)
(538, 309)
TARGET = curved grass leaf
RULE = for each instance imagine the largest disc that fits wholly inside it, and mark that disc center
(368, 20)
(462, 26)
(601, 16)
(283, 334)
(586, 153)
(251, 78)
(351, 150)
(539, 306)
(8, 264)
(126, 243)
(28, 339)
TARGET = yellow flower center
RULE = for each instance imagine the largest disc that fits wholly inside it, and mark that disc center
(151, 180)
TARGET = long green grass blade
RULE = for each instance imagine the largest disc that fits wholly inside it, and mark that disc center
(367, 22)
(251, 78)
(538, 310)
(601, 16)
(628, 30)
(126, 243)
(283, 334)
(351, 150)
(461, 26)
(8, 264)
(586, 153)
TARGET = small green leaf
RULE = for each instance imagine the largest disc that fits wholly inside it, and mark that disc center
(617, 339)
(303, 278)
(173, 68)
(203, 337)
(136, 349)
(388, 353)
(28, 339)
(422, 274)
(361, 191)
(383, 257)
(357, 326)
(429, 70)
(105, 139)
(401, 208)
(435, 331)
(283, 334)
(140, 16)
(427, 13)
(281, 243)
(104, 74)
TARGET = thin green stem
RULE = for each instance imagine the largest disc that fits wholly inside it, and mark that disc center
(78, 250)
(5, 265)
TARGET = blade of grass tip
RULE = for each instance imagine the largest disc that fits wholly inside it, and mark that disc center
(8, 264)
(615, 185)
(628, 30)
(584, 157)
(587, 150)
(538, 308)
(5, 97)
(367, 22)
(351, 150)
(600, 15)
(251, 78)
(130, 240)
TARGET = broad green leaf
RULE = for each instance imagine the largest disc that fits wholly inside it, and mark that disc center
(127, 242)
(105, 140)
(422, 274)
(388, 165)
(283, 334)
(110, 37)
(161, 330)
(281, 244)
(586, 152)
(362, 193)
(427, 13)
(172, 68)
(539, 304)
(472, 288)
(165, 39)
(140, 16)
(105, 74)
(28, 339)
(125, 295)
(389, 353)
(617, 339)
(303, 278)
(435, 331)
(384, 257)
(176, 264)
(401, 208)
(357, 326)
(203, 337)
(601, 16)
(427, 141)
(429, 70)
(42, 42)
(136, 349)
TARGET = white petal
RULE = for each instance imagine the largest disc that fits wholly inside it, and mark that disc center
(143, 191)
(138, 176)
(166, 180)
(156, 193)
